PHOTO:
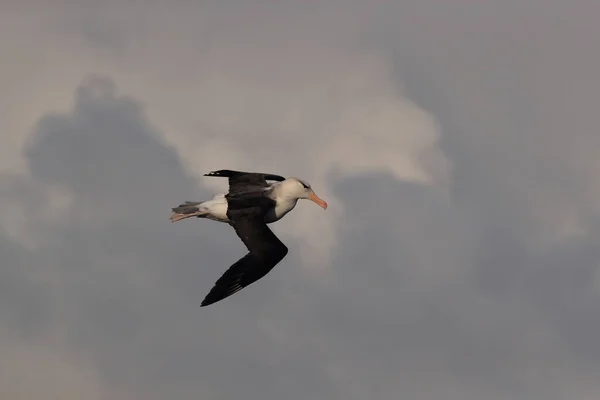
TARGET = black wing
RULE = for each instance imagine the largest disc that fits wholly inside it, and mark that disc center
(240, 181)
(266, 251)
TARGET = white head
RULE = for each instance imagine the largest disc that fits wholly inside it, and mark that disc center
(297, 188)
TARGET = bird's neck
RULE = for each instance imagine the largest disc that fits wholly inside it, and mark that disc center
(284, 205)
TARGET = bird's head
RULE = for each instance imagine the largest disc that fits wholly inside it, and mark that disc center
(299, 189)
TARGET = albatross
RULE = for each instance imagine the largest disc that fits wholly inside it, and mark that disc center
(251, 203)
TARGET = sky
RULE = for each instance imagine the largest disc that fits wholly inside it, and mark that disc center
(454, 140)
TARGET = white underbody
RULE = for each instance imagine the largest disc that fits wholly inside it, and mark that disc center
(216, 209)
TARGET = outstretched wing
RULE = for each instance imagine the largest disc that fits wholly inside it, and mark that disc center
(266, 251)
(240, 181)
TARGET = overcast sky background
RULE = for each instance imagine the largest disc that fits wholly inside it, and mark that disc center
(456, 142)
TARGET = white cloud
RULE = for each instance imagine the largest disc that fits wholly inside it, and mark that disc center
(228, 93)
(483, 285)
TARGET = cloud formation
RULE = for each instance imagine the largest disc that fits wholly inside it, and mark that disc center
(456, 149)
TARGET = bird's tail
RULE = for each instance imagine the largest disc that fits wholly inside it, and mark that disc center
(187, 210)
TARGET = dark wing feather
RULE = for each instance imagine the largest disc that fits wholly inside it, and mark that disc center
(240, 181)
(266, 251)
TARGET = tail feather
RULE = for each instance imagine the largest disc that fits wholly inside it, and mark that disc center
(186, 210)
(187, 207)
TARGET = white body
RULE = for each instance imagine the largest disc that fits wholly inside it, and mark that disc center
(216, 209)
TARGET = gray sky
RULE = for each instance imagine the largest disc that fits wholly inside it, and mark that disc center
(455, 141)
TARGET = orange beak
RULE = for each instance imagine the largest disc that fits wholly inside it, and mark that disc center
(313, 197)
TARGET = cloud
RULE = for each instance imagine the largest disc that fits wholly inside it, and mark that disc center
(109, 161)
(519, 117)
(424, 297)
(41, 368)
(111, 265)
(301, 102)
(107, 156)
(480, 281)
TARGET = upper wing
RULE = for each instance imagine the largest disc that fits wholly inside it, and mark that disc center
(266, 251)
(240, 181)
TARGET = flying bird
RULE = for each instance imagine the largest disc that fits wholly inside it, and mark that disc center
(250, 205)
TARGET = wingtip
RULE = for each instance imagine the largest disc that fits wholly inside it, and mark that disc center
(219, 173)
(225, 173)
(207, 301)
